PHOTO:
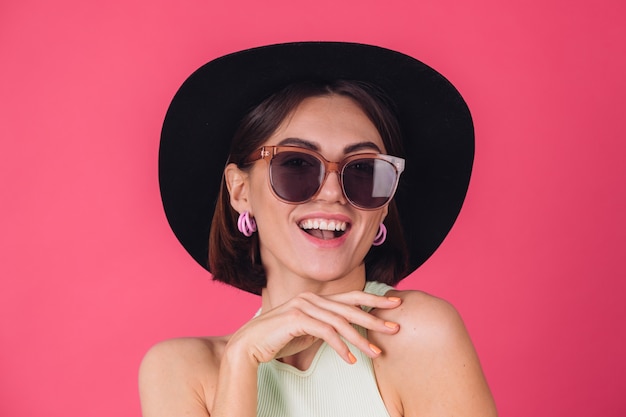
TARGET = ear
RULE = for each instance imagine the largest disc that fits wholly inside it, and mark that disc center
(238, 186)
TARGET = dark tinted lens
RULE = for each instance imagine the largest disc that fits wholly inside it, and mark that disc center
(369, 182)
(295, 176)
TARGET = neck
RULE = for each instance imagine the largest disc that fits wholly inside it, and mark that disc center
(283, 287)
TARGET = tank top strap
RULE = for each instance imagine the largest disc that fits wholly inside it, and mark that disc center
(378, 288)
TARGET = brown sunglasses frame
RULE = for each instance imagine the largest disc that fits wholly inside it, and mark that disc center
(267, 153)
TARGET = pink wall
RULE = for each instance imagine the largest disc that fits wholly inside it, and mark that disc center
(91, 275)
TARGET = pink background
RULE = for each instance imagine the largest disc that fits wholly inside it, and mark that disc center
(91, 275)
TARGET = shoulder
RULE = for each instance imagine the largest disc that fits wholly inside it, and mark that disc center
(430, 366)
(424, 318)
(180, 374)
(429, 326)
(183, 354)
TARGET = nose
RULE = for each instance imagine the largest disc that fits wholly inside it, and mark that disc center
(331, 190)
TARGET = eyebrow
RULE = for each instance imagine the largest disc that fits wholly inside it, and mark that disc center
(367, 145)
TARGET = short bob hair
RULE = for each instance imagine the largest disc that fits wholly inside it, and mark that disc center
(235, 259)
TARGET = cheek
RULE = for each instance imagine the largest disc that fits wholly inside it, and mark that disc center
(371, 224)
(259, 189)
(378, 216)
(376, 222)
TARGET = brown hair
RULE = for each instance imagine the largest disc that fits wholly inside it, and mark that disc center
(233, 258)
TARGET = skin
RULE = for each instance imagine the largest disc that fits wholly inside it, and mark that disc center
(424, 360)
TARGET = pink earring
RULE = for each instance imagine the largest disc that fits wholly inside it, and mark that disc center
(246, 224)
(380, 236)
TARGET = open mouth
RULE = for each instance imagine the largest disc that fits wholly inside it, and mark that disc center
(323, 228)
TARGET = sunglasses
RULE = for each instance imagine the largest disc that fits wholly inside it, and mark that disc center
(368, 180)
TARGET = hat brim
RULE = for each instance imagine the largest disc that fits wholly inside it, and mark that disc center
(436, 125)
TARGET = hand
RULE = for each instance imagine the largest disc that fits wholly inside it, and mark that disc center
(298, 323)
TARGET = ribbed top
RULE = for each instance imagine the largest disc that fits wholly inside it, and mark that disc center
(329, 388)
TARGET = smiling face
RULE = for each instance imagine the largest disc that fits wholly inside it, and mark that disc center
(325, 239)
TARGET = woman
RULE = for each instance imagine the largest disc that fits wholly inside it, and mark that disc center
(306, 217)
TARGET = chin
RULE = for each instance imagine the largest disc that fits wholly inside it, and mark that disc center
(331, 275)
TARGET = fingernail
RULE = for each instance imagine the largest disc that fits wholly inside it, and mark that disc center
(392, 325)
(394, 299)
(351, 358)
(375, 349)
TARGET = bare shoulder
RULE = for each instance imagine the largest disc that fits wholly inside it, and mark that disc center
(180, 374)
(424, 318)
(430, 366)
(430, 328)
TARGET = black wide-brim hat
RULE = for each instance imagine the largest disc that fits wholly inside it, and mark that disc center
(436, 125)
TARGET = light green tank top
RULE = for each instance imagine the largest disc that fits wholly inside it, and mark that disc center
(329, 388)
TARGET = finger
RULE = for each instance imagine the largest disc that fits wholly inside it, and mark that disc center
(312, 326)
(354, 314)
(360, 298)
(340, 323)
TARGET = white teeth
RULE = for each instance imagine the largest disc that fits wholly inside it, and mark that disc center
(321, 224)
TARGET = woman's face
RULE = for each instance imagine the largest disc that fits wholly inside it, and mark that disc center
(335, 127)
